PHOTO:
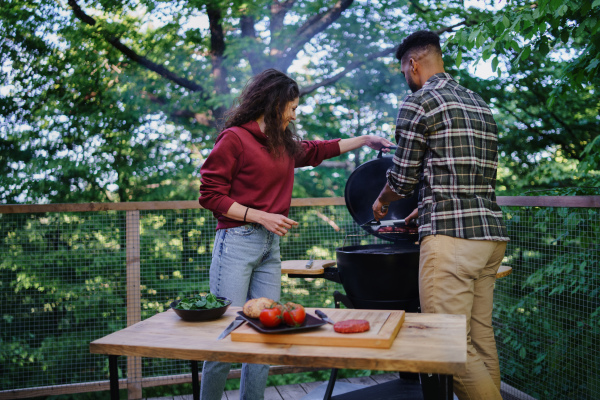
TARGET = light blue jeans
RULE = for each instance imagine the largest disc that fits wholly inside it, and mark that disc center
(246, 264)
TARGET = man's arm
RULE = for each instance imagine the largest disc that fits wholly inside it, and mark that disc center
(380, 207)
(402, 178)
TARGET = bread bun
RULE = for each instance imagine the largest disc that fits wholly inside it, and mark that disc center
(253, 307)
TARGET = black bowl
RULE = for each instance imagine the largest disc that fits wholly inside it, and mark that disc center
(201, 315)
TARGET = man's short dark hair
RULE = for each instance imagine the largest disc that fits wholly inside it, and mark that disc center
(419, 40)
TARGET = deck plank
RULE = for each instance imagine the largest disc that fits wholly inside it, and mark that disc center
(383, 378)
(299, 390)
(310, 386)
(233, 394)
(271, 393)
(362, 380)
(291, 392)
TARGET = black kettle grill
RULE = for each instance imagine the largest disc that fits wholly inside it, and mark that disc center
(377, 276)
(381, 276)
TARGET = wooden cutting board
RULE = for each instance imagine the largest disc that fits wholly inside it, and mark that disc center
(299, 267)
(384, 327)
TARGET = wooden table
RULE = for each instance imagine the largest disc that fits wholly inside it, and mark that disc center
(429, 343)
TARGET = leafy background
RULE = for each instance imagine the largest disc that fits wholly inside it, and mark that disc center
(105, 101)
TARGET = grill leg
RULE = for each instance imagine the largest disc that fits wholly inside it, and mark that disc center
(340, 298)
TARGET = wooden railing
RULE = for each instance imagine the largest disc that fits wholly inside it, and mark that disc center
(133, 209)
(509, 201)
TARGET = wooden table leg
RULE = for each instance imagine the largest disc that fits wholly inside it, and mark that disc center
(195, 382)
(113, 376)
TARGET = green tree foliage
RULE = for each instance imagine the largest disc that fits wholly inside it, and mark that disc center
(546, 55)
(120, 101)
(523, 28)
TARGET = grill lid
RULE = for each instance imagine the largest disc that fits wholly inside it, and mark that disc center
(363, 188)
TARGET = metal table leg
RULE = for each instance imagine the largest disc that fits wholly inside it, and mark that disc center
(333, 374)
(113, 375)
(195, 382)
(436, 386)
(331, 384)
(446, 389)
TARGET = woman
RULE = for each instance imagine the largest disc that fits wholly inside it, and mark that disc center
(247, 183)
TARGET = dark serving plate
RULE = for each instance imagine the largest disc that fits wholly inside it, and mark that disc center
(310, 322)
(201, 315)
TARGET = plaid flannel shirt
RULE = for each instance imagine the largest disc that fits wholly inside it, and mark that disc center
(447, 133)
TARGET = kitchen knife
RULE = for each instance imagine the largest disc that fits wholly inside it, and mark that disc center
(235, 324)
(324, 317)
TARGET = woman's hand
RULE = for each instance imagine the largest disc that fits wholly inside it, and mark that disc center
(276, 223)
(374, 142)
(378, 143)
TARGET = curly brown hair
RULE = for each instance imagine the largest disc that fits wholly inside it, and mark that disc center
(268, 94)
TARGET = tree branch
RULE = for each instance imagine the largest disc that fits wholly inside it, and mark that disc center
(451, 27)
(278, 12)
(133, 56)
(349, 68)
(217, 48)
(248, 31)
(205, 119)
(355, 64)
(418, 7)
(217, 51)
(308, 31)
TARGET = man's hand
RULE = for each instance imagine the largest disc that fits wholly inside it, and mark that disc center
(380, 209)
(411, 216)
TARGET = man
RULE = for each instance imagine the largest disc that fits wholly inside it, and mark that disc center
(447, 133)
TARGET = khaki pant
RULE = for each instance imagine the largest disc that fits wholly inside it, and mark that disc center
(457, 276)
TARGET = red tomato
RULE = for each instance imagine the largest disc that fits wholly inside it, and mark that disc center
(270, 317)
(293, 314)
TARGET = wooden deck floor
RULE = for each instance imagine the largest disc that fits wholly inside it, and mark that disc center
(297, 391)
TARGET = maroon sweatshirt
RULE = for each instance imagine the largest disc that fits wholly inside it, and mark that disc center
(240, 169)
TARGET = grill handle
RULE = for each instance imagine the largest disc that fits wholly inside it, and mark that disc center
(389, 147)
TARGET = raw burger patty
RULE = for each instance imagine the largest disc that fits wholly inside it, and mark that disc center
(351, 326)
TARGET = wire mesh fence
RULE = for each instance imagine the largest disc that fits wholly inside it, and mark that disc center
(546, 313)
(65, 278)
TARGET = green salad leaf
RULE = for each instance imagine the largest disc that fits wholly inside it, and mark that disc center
(200, 302)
